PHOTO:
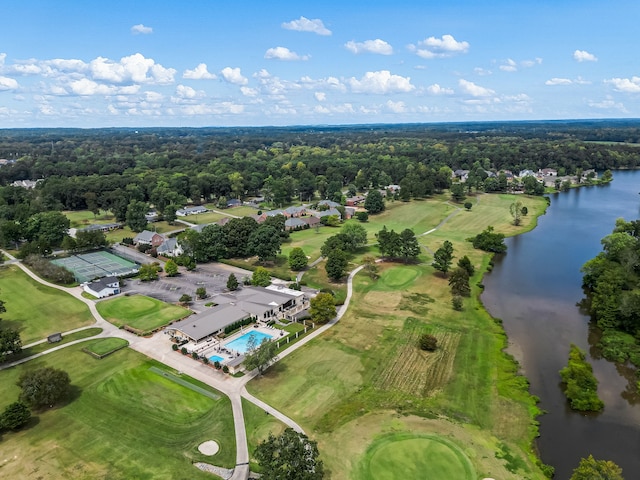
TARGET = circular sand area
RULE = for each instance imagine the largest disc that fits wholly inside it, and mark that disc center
(210, 447)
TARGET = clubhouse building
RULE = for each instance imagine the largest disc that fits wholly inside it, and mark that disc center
(264, 304)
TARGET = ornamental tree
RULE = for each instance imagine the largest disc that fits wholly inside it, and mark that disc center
(289, 456)
(323, 308)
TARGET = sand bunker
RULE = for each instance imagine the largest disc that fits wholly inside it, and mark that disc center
(210, 447)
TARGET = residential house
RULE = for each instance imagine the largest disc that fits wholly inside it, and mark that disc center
(275, 213)
(392, 188)
(146, 237)
(349, 212)
(259, 218)
(105, 227)
(28, 184)
(183, 212)
(170, 248)
(326, 213)
(152, 216)
(328, 203)
(294, 223)
(548, 172)
(355, 201)
(295, 212)
(103, 287)
(312, 221)
(233, 202)
(526, 173)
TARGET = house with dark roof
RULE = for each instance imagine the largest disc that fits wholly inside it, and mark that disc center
(103, 287)
(355, 201)
(104, 227)
(146, 237)
(233, 202)
(274, 213)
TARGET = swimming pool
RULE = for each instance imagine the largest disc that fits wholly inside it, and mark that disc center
(216, 358)
(240, 343)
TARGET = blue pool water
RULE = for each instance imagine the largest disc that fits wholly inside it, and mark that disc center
(240, 343)
(215, 358)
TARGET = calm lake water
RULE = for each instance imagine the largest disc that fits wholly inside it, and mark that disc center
(534, 289)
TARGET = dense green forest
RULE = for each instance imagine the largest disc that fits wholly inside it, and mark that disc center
(613, 285)
(109, 169)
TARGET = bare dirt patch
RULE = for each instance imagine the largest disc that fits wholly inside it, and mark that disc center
(376, 300)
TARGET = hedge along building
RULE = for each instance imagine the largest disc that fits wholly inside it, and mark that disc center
(263, 304)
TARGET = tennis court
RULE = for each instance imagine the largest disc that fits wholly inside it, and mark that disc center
(87, 266)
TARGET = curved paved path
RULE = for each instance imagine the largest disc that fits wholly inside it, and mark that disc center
(234, 388)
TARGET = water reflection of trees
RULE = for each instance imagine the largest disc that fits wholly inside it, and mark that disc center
(626, 370)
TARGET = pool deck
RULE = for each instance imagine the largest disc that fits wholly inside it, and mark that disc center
(219, 348)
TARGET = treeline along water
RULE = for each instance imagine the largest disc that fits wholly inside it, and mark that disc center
(534, 289)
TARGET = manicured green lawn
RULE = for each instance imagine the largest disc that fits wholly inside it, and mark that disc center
(37, 310)
(106, 345)
(124, 421)
(140, 312)
(258, 425)
(403, 455)
(41, 347)
(369, 363)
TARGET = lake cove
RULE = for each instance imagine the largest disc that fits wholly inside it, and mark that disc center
(534, 289)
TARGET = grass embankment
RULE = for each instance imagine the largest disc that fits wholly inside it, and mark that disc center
(124, 421)
(369, 367)
(106, 346)
(37, 310)
(43, 347)
(140, 312)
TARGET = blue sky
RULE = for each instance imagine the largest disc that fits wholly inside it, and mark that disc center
(245, 62)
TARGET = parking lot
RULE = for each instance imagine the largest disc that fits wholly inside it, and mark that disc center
(213, 277)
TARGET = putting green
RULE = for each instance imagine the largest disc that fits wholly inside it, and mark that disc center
(399, 277)
(400, 456)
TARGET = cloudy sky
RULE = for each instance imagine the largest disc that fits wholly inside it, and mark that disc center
(143, 63)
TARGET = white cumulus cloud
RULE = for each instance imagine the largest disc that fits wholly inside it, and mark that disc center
(249, 92)
(474, 90)
(433, 47)
(303, 24)
(584, 56)
(7, 83)
(370, 46)
(320, 96)
(141, 29)
(558, 81)
(436, 89)
(199, 73)
(381, 82)
(608, 104)
(233, 75)
(134, 68)
(283, 53)
(626, 85)
(509, 66)
(396, 107)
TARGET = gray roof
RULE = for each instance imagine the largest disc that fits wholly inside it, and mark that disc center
(294, 210)
(144, 236)
(201, 325)
(169, 245)
(232, 307)
(330, 203)
(294, 222)
(274, 213)
(326, 213)
(102, 283)
(192, 210)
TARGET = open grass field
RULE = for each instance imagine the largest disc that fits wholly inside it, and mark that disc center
(370, 364)
(258, 425)
(41, 347)
(82, 218)
(140, 312)
(37, 310)
(124, 421)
